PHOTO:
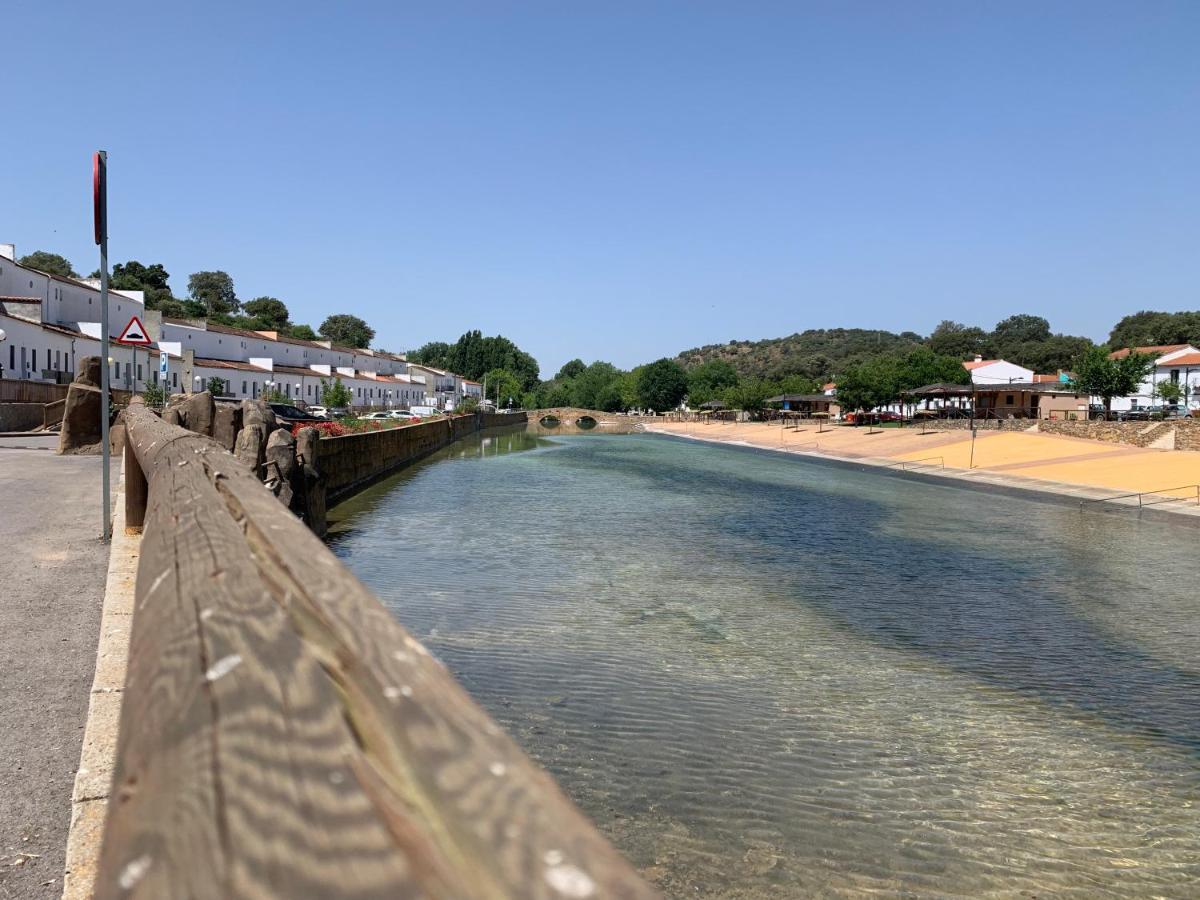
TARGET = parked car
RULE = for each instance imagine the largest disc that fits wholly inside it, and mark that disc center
(404, 414)
(382, 416)
(423, 410)
(319, 411)
(290, 415)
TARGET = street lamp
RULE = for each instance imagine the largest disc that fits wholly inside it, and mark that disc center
(3, 338)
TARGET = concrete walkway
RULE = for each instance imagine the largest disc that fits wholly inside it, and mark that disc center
(52, 573)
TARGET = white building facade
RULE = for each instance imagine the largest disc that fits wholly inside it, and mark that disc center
(50, 323)
(1179, 363)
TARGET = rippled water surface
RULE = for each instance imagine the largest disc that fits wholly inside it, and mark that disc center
(768, 677)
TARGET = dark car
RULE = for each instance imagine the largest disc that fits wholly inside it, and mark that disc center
(290, 415)
(1139, 414)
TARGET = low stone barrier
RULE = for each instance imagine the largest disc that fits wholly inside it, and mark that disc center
(980, 424)
(1177, 434)
(21, 416)
(353, 461)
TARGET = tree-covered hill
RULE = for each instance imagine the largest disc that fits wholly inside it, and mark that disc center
(816, 353)
(821, 353)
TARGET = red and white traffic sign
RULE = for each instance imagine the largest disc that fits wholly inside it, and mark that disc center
(135, 333)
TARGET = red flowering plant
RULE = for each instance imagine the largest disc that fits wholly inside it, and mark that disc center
(327, 429)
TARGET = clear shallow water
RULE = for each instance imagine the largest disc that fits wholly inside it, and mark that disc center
(767, 677)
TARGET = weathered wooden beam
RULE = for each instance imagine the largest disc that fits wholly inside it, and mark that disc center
(283, 736)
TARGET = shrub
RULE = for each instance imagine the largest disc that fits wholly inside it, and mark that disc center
(327, 429)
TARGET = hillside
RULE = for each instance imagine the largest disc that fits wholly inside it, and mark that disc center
(816, 353)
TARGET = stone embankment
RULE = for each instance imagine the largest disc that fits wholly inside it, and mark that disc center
(351, 462)
(1173, 434)
(308, 472)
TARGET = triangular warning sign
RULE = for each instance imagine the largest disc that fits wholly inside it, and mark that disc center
(135, 333)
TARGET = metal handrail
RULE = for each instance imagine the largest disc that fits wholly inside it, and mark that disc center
(908, 462)
(923, 459)
(1140, 494)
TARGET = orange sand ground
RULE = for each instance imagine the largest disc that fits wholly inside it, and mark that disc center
(1024, 455)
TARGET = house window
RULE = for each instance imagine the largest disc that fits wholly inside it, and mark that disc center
(175, 379)
(1008, 399)
(1175, 375)
(12, 357)
(35, 351)
(243, 387)
(139, 370)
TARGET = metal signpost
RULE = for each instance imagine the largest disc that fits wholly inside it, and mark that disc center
(100, 219)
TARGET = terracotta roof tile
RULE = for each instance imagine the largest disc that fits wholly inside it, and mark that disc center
(1158, 350)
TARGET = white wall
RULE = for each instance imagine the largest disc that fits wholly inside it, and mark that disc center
(1001, 372)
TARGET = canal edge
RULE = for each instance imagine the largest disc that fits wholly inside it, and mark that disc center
(1060, 492)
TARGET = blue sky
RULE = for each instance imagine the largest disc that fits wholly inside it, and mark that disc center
(623, 180)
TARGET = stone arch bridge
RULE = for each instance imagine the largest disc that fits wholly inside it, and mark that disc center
(574, 420)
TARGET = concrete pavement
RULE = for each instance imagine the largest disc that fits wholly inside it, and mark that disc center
(52, 575)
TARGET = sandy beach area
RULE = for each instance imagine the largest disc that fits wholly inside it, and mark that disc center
(1024, 458)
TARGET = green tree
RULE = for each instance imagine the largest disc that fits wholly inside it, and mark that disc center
(473, 355)
(214, 291)
(1099, 375)
(348, 330)
(875, 382)
(44, 261)
(434, 353)
(1169, 392)
(922, 366)
(662, 385)
(749, 394)
(270, 312)
(1149, 328)
(502, 386)
(334, 394)
(1020, 329)
(590, 384)
(958, 340)
(152, 281)
(710, 379)
(301, 332)
(556, 393)
(216, 386)
(571, 369)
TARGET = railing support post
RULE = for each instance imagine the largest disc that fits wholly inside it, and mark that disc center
(136, 489)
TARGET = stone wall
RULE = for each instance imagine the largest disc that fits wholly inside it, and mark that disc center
(1178, 434)
(353, 461)
(980, 424)
(21, 416)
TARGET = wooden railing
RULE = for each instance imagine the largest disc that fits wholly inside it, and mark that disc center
(14, 390)
(282, 735)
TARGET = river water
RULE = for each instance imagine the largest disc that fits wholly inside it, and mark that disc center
(768, 677)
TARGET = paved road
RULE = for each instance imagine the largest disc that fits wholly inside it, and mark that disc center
(52, 570)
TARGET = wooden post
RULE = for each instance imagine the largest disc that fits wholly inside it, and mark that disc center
(135, 489)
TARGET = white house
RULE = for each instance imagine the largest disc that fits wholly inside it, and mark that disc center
(51, 322)
(997, 371)
(1172, 362)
